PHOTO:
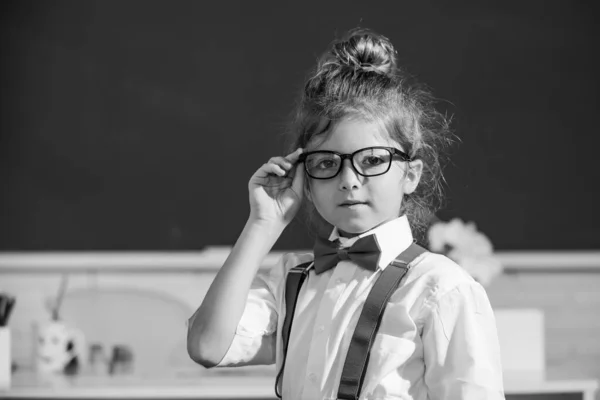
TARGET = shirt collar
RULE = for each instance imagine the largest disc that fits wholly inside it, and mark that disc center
(393, 237)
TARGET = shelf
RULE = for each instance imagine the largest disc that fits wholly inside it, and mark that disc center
(210, 259)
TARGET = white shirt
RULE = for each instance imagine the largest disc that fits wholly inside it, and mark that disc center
(437, 338)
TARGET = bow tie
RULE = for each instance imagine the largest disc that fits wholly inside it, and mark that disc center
(365, 252)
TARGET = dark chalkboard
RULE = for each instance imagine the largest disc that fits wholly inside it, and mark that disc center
(136, 125)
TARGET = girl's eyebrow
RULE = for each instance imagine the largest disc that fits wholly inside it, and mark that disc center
(350, 152)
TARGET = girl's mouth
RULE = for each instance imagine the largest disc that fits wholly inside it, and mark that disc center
(353, 204)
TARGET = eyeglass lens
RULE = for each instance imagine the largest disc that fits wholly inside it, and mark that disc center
(368, 162)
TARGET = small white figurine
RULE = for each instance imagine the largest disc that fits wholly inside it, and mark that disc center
(60, 347)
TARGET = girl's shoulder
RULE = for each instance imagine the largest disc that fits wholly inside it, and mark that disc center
(293, 259)
(275, 276)
(288, 261)
(438, 273)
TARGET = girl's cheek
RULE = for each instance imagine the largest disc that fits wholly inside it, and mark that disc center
(307, 190)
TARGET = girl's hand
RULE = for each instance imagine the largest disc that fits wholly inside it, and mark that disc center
(276, 189)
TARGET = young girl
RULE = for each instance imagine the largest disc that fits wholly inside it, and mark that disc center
(366, 167)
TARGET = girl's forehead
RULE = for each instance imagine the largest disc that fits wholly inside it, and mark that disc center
(350, 134)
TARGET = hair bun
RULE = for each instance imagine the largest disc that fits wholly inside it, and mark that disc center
(364, 49)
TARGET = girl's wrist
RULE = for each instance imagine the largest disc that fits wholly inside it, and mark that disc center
(258, 237)
(270, 227)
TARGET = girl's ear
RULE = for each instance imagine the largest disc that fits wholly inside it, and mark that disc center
(413, 176)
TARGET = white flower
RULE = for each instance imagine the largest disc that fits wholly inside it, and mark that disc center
(465, 245)
(482, 268)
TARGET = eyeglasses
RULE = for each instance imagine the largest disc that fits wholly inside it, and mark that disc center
(370, 161)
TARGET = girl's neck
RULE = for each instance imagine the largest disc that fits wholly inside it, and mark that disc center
(347, 235)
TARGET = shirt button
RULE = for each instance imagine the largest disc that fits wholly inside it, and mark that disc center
(312, 377)
(339, 281)
(320, 328)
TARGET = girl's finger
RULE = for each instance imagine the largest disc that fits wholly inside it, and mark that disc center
(282, 162)
(293, 157)
(273, 169)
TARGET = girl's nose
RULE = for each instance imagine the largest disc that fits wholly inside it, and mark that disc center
(349, 179)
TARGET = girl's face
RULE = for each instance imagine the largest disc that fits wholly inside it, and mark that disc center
(354, 203)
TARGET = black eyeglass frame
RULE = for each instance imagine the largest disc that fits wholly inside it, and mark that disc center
(393, 152)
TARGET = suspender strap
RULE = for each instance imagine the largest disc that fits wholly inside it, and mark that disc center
(409, 255)
(293, 283)
(357, 358)
(358, 354)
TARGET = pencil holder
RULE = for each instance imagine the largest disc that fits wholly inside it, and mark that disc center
(5, 358)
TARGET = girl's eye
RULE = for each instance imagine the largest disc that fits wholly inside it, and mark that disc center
(322, 162)
(372, 161)
(326, 164)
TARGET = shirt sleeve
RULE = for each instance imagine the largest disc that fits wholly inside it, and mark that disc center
(255, 337)
(461, 348)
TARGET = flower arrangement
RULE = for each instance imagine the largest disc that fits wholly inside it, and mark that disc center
(465, 245)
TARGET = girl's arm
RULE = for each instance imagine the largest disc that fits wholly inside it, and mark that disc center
(275, 192)
(462, 353)
(212, 327)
